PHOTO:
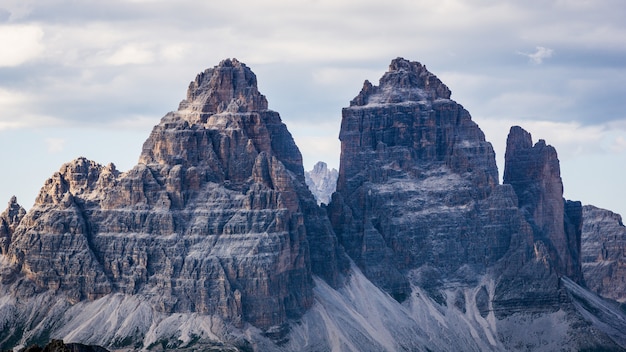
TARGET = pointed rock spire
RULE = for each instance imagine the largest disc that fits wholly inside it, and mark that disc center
(535, 174)
(9, 220)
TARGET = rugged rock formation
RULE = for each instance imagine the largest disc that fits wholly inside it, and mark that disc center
(419, 209)
(214, 241)
(9, 219)
(604, 253)
(216, 217)
(534, 173)
(321, 181)
(417, 181)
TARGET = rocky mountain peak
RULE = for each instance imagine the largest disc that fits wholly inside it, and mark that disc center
(230, 86)
(14, 212)
(322, 181)
(406, 81)
(9, 220)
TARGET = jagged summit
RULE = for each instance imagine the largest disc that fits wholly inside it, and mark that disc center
(230, 86)
(406, 81)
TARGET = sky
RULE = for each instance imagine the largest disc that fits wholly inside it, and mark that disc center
(91, 78)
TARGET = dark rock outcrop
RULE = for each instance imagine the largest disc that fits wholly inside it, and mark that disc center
(604, 253)
(321, 181)
(534, 173)
(216, 217)
(59, 346)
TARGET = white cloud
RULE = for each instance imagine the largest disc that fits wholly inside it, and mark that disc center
(619, 145)
(55, 145)
(130, 54)
(539, 55)
(20, 44)
(15, 111)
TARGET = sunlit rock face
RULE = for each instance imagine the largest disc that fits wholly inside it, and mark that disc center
(215, 218)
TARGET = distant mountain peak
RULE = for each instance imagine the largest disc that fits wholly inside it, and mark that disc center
(321, 181)
(405, 81)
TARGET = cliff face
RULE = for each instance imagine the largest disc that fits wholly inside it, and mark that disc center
(215, 216)
(603, 252)
(417, 182)
(534, 173)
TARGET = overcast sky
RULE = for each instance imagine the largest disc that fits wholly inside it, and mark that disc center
(91, 78)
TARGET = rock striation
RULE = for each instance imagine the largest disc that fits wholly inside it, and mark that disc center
(321, 181)
(603, 253)
(215, 219)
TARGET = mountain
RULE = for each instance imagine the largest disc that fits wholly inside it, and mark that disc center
(214, 241)
(215, 220)
(321, 181)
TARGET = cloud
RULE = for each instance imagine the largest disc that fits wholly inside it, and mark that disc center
(539, 55)
(55, 145)
(130, 54)
(20, 44)
(619, 145)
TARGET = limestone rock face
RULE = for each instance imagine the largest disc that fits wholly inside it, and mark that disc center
(321, 181)
(534, 173)
(215, 219)
(603, 252)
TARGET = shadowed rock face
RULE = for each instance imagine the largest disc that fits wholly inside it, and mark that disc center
(534, 173)
(603, 252)
(215, 216)
(417, 182)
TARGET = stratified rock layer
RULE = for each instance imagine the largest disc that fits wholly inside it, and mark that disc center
(604, 252)
(214, 219)
(321, 181)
